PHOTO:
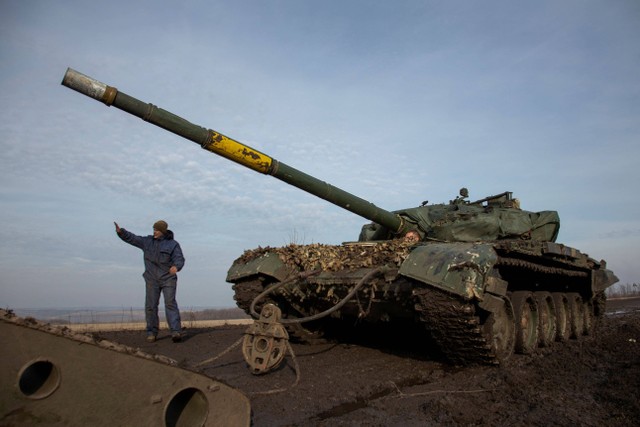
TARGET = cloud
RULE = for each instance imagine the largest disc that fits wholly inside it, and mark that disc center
(394, 103)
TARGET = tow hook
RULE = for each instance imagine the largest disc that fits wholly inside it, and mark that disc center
(265, 341)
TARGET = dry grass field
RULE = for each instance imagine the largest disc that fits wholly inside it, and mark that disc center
(139, 326)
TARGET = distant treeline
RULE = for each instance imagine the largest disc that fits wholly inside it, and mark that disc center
(620, 290)
(124, 315)
(215, 314)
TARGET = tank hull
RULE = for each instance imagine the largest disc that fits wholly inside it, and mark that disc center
(472, 298)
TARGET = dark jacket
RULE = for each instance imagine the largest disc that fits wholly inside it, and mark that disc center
(159, 254)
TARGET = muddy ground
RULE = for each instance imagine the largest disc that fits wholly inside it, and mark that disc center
(388, 379)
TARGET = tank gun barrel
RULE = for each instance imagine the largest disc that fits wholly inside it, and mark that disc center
(231, 149)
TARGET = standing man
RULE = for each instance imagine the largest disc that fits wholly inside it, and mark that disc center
(162, 261)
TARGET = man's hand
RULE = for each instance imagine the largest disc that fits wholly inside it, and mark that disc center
(117, 227)
(173, 270)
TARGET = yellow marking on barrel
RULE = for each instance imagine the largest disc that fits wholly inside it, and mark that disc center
(239, 153)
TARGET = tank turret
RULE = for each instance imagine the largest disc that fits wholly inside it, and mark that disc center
(485, 278)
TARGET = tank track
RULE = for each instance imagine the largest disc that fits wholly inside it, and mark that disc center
(458, 325)
(452, 322)
(568, 270)
(455, 325)
(245, 292)
(538, 268)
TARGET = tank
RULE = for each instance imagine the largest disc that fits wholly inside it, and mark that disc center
(483, 279)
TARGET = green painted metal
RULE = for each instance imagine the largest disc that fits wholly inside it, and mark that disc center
(497, 218)
(461, 268)
(269, 264)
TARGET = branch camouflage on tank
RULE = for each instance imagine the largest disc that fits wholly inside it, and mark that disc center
(335, 257)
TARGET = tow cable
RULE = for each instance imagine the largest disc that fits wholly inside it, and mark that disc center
(266, 340)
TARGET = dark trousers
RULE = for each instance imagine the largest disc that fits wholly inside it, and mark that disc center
(168, 290)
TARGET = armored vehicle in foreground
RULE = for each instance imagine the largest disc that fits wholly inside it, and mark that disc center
(484, 277)
(52, 376)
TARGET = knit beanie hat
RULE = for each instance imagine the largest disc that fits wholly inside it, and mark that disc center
(161, 226)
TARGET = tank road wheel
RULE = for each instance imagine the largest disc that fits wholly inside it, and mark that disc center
(500, 331)
(526, 318)
(547, 313)
(576, 314)
(563, 318)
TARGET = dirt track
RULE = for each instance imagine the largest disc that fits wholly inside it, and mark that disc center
(394, 380)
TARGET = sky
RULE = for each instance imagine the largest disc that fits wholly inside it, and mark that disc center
(395, 101)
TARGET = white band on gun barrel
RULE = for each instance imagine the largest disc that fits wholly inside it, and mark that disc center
(88, 86)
